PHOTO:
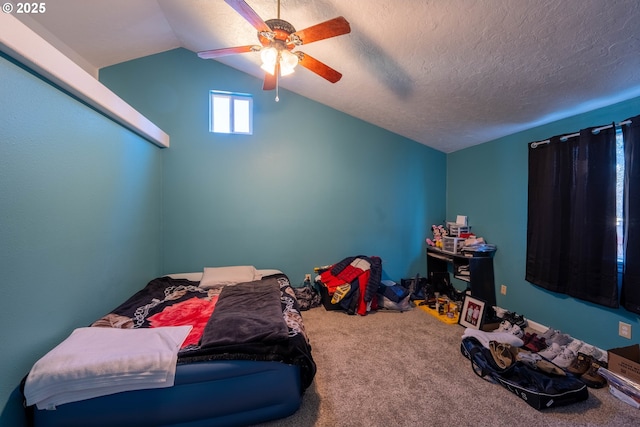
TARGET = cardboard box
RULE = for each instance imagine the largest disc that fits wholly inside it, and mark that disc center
(625, 361)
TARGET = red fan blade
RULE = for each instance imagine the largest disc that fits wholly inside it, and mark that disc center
(318, 67)
(331, 28)
(215, 53)
(249, 14)
(270, 81)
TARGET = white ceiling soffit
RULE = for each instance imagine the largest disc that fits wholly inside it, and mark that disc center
(447, 73)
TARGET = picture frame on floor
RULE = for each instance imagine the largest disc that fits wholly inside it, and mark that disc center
(472, 313)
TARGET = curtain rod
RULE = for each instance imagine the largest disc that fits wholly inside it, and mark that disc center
(573, 135)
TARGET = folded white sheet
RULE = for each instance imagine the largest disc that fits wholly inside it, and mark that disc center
(95, 362)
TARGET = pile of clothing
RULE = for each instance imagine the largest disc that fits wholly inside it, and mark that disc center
(354, 282)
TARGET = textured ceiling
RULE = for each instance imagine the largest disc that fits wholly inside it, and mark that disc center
(447, 73)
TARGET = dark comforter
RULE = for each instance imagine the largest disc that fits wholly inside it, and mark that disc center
(257, 320)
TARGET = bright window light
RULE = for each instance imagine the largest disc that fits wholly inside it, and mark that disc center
(230, 112)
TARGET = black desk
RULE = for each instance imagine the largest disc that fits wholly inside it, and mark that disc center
(475, 268)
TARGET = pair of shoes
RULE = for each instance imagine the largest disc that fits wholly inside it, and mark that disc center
(565, 359)
(586, 368)
(555, 335)
(592, 351)
(507, 326)
(580, 364)
(552, 351)
(592, 378)
(575, 345)
(533, 342)
(516, 319)
(549, 333)
(560, 338)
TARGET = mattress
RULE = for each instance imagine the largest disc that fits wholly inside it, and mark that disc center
(247, 375)
(214, 393)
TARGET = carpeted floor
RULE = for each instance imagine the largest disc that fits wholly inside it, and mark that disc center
(406, 369)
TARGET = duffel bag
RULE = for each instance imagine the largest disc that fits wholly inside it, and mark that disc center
(393, 291)
(539, 389)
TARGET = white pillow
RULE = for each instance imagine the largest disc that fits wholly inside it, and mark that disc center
(266, 272)
(217, 276)
(194, 277)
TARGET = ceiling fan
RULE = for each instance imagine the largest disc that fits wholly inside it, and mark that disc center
(278, 38)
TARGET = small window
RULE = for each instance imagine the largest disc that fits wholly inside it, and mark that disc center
(230, 112)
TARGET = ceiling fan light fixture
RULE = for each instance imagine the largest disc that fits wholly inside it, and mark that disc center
(269, 56)
(288, 62)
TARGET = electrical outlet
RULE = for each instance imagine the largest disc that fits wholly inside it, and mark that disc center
(503, 289)
(307, 277)
(624, 330)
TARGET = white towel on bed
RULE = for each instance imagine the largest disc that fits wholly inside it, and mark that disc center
(94, 362)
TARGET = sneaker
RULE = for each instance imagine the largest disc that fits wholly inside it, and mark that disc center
(565, 359)
(517, 319)
(592, 351)
(560, 339)
(505, 326)
(575, 346)
(535, 344)
(592, 378)
(551, 352)
(580, 364)
(604, 359)
(527, 357)
(535, 361)
(528, 337)
(549, 333)
(517, 331)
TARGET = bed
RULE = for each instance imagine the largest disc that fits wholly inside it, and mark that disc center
(243, 356)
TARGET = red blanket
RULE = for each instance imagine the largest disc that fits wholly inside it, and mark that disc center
(194, 311)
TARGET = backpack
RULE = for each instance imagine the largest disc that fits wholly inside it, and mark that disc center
(539, 389)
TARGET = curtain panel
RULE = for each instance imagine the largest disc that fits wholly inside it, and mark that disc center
(571, 223)
(630, 293)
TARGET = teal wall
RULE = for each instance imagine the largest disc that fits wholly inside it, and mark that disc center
(488, 183)
(80, 221)
(89, 211)
(309, 187)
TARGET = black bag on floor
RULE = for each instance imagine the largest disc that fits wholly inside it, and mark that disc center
(539, 389)
(395, 293)
(416, 286)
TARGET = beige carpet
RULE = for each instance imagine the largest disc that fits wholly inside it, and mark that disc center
(406, 369)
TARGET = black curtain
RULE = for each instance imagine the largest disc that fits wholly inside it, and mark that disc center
(630, 294)
(571, 223)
